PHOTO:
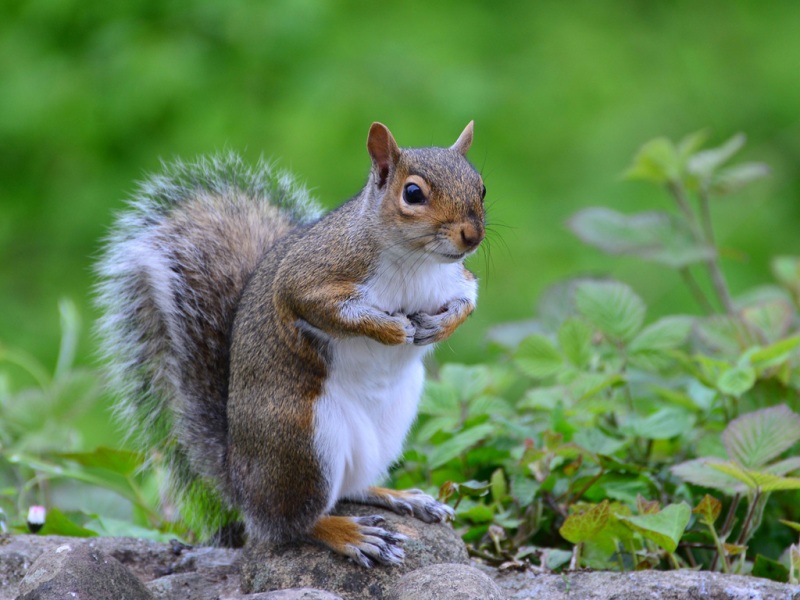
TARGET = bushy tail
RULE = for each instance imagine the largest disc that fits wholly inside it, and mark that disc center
(173, 269)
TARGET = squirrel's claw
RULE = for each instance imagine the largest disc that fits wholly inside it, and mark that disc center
(427, 508)
(377, 545)
(412, 503)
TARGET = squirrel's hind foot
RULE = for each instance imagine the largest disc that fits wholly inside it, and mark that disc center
(360, 539)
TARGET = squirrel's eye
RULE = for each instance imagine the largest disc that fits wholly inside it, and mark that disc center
(483, 192)
(413, 194)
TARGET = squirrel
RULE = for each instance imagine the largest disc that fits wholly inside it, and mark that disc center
(273, 355)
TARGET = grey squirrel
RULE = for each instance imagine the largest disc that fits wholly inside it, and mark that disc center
(272, 355)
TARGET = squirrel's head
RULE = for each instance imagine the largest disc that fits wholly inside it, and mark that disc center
(431, 198)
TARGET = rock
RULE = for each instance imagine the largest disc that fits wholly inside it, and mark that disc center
(267, 568)
(642, 585)
(446, 582)
(193, 585)
(74, 570)
(172, 564)
(293, 594)
(176, 572)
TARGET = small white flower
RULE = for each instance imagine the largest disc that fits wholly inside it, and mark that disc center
(36, 517)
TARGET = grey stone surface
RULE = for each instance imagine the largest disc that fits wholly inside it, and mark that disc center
(74, 570)
(267, 568)
(210, 583)
(177, 573)
(446, 582)
(146, 559)
(294, 594)
(642, 585)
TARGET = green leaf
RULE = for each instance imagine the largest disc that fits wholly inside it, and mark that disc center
(557, 558)
(473, 488)
(758, 437)
(587, 385)
(123, 462)
(524, 489)
(655, 236)
(724, 335)
(597, 442)
(709, 509)
(769, 569)
(575, 339)
(612, 307)
(490, 405)
(664, 424)
(792, 524)
(736, 380)
(665, 528)
(782, 467)
(774, 354)
(107, 526)
(467, 380)
(509, 335)
(705, 163)
(623, 488)
(767, 482)
(701, 471)
(691, 144)
(57, 523)
(455, 446)
(499, 485)
(543, 398)
(581, 527)
(772, 318)
(733, 179)
(664, 334)
(479, 513)
(537, 357)
(439, 399)
(786, 270)
(111, 480)
(656, 161)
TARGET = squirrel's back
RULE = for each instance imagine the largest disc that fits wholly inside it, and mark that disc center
(172, 273)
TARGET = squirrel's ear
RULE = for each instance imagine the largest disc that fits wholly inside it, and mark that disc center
(464, 141)
(383, 150)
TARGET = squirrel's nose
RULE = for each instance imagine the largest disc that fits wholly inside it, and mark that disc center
(471, 236)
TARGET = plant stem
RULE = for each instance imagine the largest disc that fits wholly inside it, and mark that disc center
(696, 291)
(690, 557)
(726, 567)
(584, 489)
(705, 237)
(676, 189)
(728, 525)
(705, 217)
(574, 562)
(751, 510)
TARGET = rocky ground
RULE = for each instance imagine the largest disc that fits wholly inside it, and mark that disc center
(436, 567)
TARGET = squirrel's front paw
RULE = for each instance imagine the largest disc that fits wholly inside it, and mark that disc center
(406, 330)
(428, 328)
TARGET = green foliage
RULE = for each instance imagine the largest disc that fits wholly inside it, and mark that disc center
(613, 426)
(42, 461)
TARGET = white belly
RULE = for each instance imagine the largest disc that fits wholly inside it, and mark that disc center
(370, 397)
(367, 406)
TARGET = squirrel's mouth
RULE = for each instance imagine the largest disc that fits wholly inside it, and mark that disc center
(453, 256)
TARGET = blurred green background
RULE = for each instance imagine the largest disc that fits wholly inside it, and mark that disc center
(94, 94)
